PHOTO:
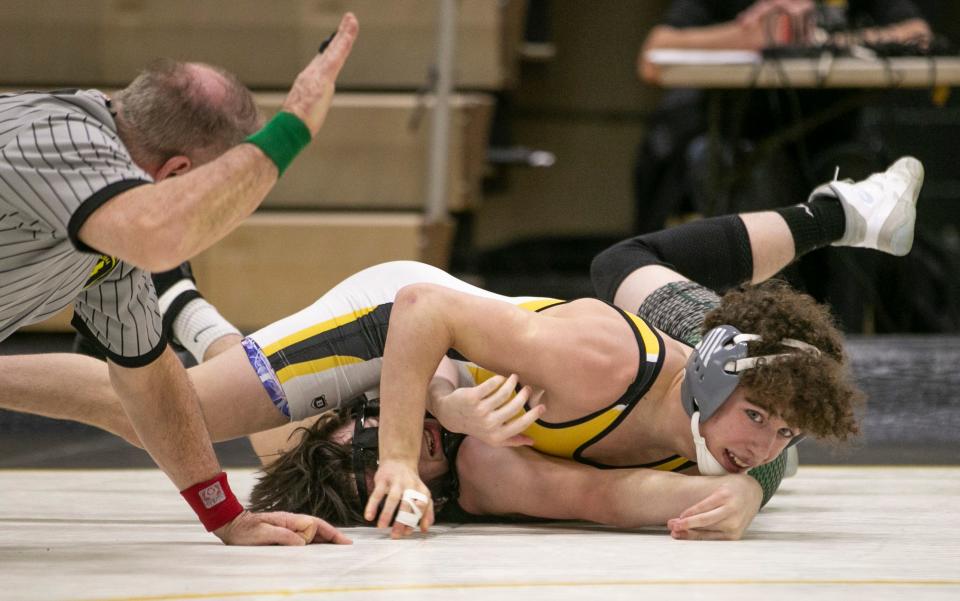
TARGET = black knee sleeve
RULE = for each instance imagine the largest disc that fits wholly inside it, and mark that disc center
(714, 252)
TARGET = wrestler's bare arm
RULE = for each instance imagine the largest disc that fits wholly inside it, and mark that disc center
(582, 353)
(81, 392)
(520, 481)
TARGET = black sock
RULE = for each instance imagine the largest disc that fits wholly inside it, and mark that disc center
(814, 224)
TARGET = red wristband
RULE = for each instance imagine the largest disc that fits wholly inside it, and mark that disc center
(213, 502)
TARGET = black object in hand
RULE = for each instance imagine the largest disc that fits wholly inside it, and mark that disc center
(326, 42)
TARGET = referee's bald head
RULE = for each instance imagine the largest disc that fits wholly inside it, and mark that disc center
(175, 108)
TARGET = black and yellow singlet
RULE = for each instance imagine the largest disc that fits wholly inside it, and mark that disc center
(570, 439)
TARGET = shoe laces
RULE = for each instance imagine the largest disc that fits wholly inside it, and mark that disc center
(836, 176)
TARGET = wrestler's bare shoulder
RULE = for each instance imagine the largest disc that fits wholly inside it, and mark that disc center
(583, 307)
(601, 352)
(597, 323)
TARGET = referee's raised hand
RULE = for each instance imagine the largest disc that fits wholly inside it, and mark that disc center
(312, 92)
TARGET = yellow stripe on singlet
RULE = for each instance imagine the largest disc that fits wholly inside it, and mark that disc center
(669, 466)
(289, 372)
(540, 303)
(651, 343)
(315, 329)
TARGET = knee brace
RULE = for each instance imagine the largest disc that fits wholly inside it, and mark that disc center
(714, 252)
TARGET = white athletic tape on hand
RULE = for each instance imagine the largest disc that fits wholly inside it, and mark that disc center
(411, 518)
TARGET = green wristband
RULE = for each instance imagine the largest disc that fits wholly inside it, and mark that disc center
(281, 139)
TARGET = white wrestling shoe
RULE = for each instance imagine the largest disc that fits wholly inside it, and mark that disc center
(881, 210)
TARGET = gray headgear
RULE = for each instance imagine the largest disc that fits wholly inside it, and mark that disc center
(713, 369)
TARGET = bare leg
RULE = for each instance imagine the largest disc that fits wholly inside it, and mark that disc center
(81, 391)
(771, 244)
(232, 399)
(219, 397)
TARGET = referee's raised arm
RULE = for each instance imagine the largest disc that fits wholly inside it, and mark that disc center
(89, 205)
(159, 226)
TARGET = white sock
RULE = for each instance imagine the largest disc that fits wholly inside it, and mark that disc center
(199, 325)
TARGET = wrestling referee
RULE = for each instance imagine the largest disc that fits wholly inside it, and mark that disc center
(89, 206)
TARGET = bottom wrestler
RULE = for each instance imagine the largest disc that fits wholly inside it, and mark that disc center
(604, 387)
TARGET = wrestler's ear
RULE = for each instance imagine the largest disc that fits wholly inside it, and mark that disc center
(175, 165)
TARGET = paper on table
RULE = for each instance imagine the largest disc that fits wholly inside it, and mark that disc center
(677, 56)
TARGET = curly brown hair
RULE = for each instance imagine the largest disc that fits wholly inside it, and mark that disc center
(815, 394)
(314, 478)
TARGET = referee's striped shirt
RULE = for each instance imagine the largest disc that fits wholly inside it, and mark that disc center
(61, 159)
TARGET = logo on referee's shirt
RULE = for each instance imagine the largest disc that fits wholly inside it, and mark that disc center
(104, 267)
(212, 495)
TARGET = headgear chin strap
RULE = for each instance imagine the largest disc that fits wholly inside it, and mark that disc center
(365, 445)
(714, 367)
(365, 451)
(707, 464)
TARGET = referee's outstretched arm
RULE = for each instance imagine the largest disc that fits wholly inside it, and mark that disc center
(160, 225)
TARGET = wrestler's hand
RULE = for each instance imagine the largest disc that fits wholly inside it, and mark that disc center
(724, 515)
(312, 92)
(279, 528)
(392, 478)
(487, 412)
